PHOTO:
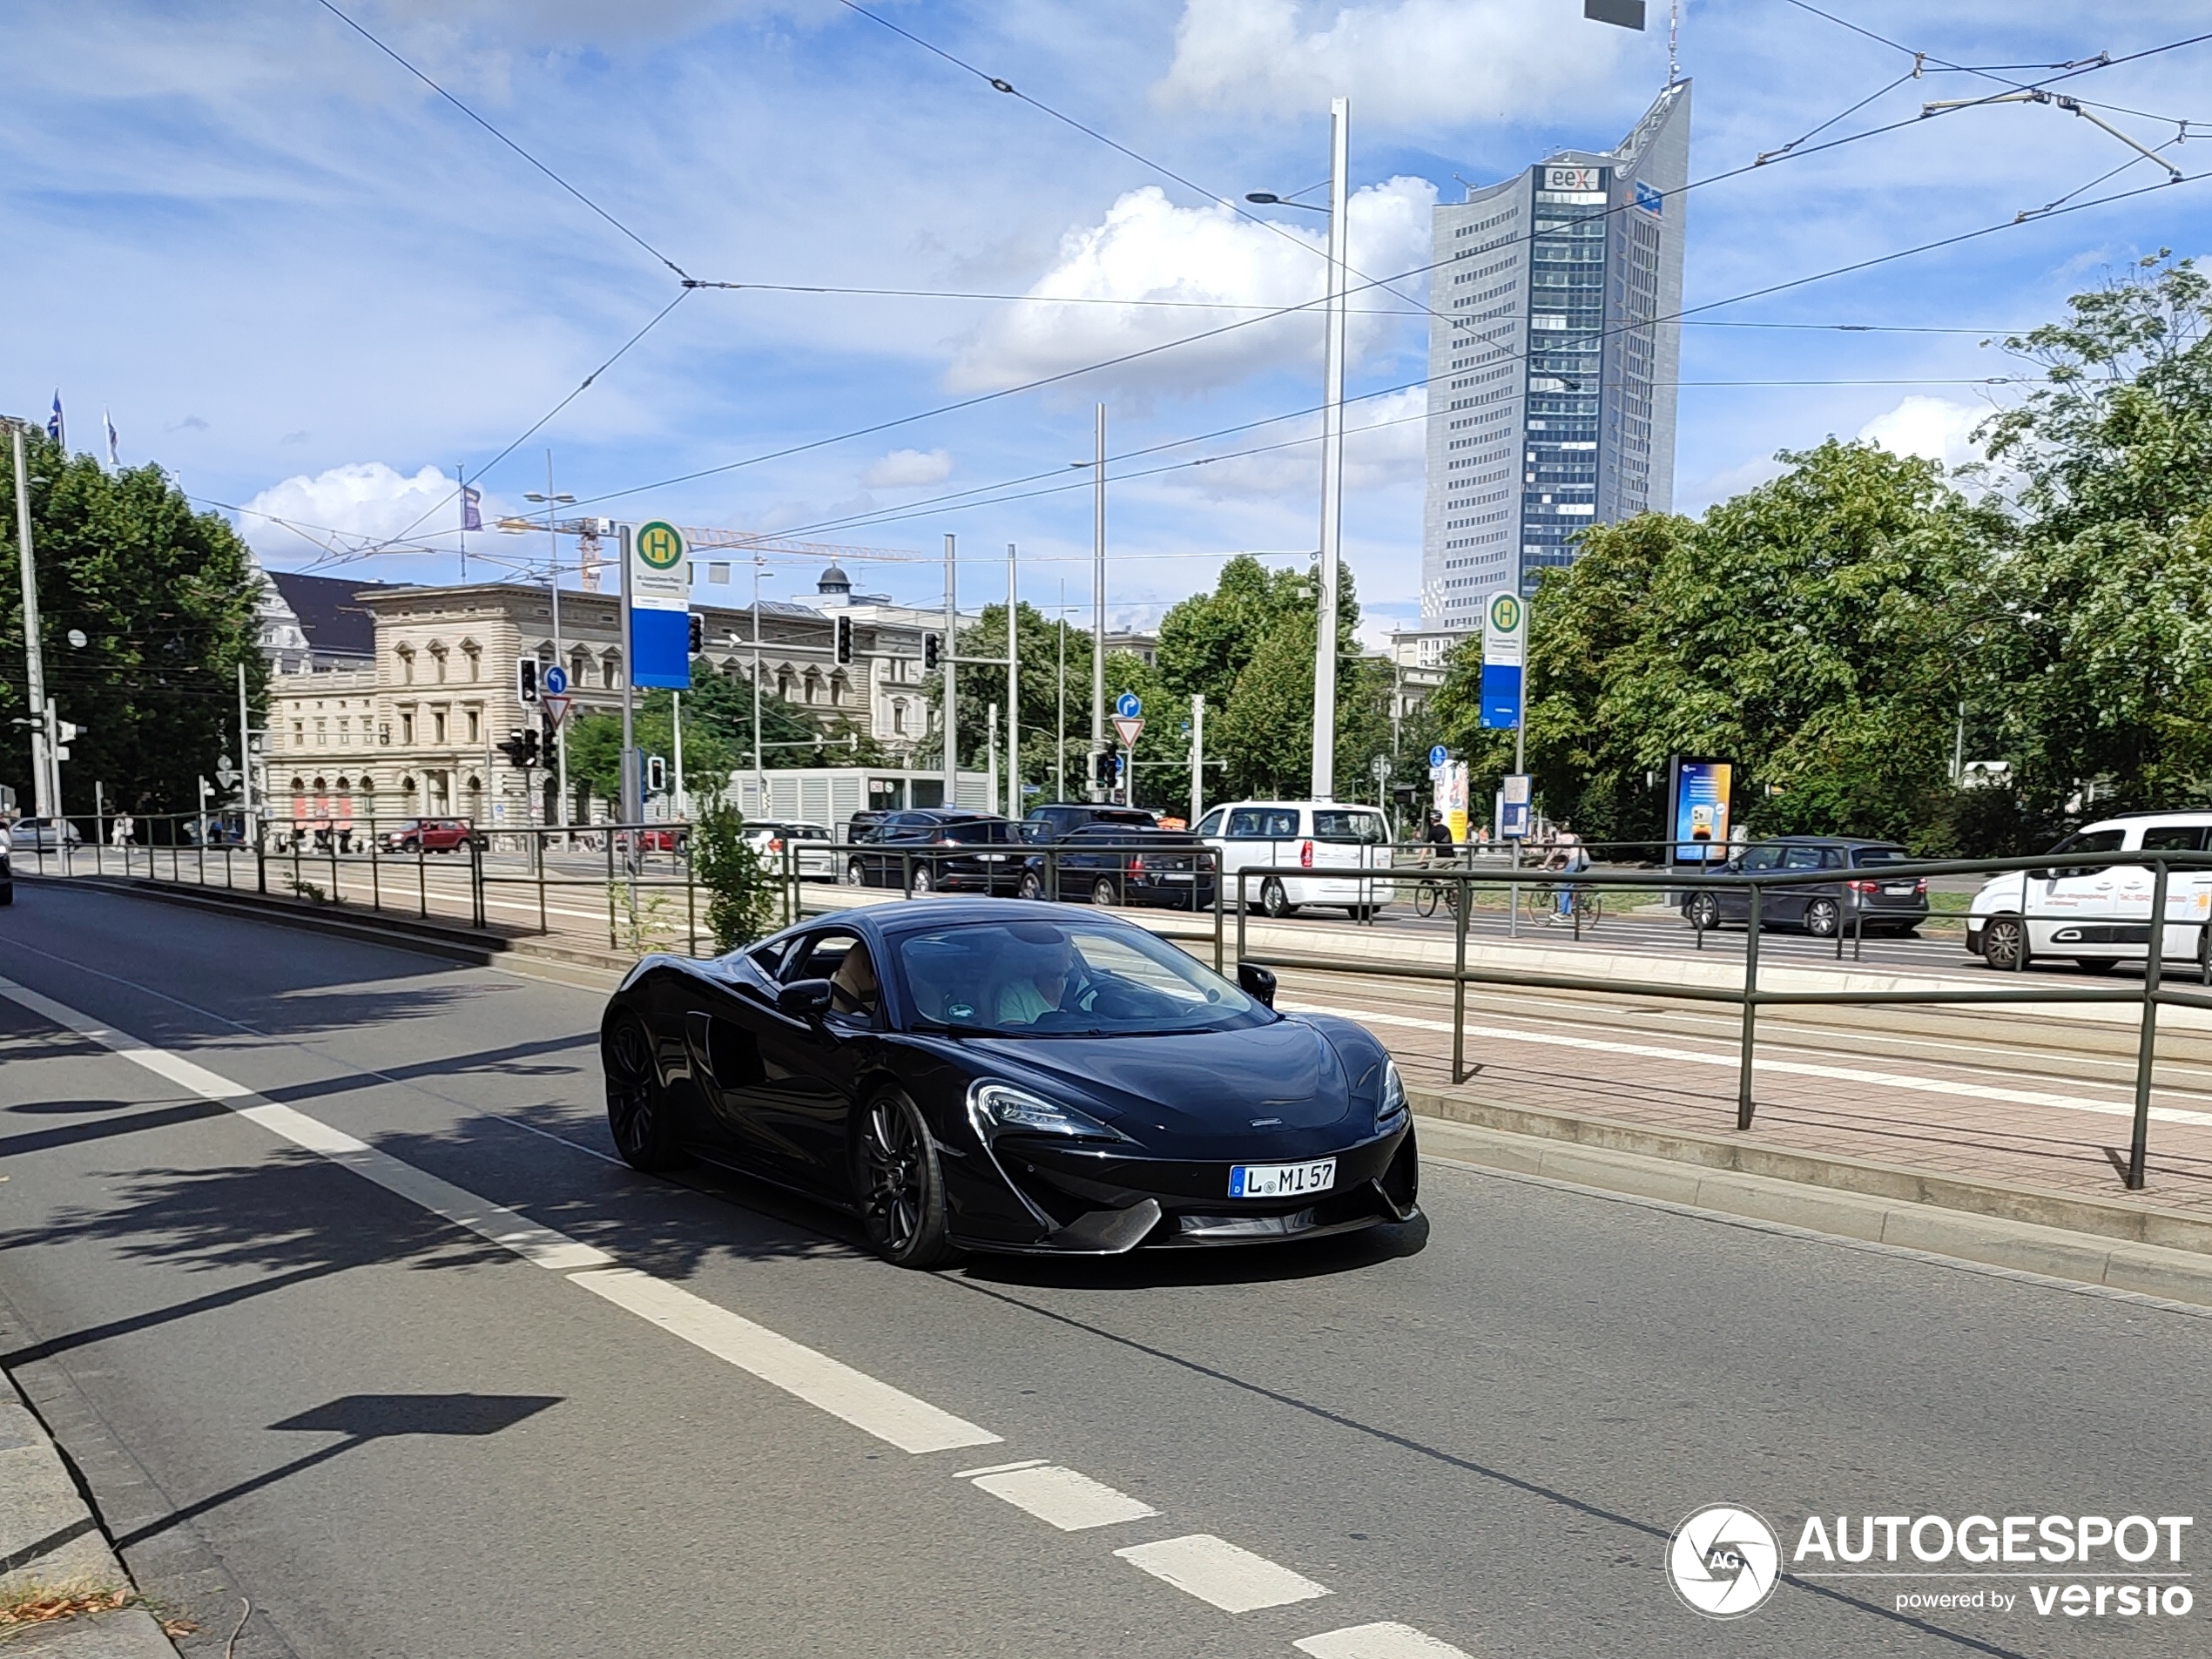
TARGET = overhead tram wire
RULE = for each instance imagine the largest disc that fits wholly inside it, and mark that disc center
(1773, 288)
(1366, 283)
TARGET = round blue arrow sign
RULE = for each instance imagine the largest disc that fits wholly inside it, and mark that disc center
(555, 678)
(1127, 707)
(1439, 755)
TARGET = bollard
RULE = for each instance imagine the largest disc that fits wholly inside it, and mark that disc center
(2147, 1043)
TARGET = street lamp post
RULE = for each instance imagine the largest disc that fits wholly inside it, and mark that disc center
(44, 793)
(1098, 601)
(560, 731)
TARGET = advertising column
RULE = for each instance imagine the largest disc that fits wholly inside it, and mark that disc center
(660, 608)
(1697, 796)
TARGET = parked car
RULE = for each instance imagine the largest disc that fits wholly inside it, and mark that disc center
(2098, 915)
(431, 835)
(1331, 836)
(1109, 863)
(48, 834)
(862, 825)
(816, 855)
(1060, 819)
(1860, 898)
(651, 838)
(936, 849)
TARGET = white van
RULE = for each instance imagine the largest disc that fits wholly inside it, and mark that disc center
(1308, 835)
(2098, 915)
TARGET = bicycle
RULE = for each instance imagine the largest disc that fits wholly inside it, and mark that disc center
(1431, 892)
(1586, 906)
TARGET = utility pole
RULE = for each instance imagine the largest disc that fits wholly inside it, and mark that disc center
(991, 749)
(676, 724)
(246, 761)
(1097, 603)
(1059, 729)
(1198, 757)
(1013, 692)
(759, 775)
(42, 769)
(945, 661)
(1325, 641)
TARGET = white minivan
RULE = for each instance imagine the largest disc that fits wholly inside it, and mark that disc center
(1317, 835)
(2098, 915)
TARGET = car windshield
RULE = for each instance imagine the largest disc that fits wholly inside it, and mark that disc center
(986, 832)
(1050, 978)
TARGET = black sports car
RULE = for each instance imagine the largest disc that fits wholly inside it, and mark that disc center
(989, 1074)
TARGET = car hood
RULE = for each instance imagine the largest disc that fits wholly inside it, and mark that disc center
(1187, 1088)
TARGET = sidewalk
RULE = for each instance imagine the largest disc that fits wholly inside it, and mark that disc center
(54, 1555)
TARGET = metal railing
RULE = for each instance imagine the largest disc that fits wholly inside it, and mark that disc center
(2156, 992)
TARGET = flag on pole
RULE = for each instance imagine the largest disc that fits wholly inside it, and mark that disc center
(55, 430)
(114, 460)
(471, 502)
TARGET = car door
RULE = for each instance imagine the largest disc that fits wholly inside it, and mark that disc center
(2186, 902)
(722, 1028)
(1786, 907)
(810, 1067)
(1246, 843)
(1736, 901)
(2074, 900)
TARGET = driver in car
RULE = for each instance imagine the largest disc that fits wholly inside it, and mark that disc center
(1036, 983)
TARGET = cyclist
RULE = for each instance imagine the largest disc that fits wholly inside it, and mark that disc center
(1441, 848)
(1567, 856)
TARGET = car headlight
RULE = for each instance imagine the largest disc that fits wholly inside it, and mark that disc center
(1392, 1109)
(996, 1108)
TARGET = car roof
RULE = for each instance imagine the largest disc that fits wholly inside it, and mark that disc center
(2192, 816)
(1293, 805)
(889, 921)
(1824, 841)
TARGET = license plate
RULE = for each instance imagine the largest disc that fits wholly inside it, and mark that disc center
(1281, 1180)
(996, 858)
(1899, 886)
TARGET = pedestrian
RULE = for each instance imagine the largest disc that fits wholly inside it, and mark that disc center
(121, 833)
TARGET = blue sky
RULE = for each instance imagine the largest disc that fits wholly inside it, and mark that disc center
(304, 283)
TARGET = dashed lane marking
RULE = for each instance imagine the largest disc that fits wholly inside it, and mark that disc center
(1385, 1640)
(1064, 1499)
(1215, 1570)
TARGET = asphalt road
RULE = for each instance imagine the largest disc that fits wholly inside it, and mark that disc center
(298, 1377)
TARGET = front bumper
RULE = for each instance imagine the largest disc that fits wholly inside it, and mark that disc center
(1107, 1203)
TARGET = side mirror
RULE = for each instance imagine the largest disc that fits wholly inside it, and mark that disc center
(804, 999)
(1256, 982)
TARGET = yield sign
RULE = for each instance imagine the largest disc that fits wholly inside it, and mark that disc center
(556, 708)
(1129, 727)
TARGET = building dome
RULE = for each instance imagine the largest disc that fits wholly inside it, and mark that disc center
(834, 581)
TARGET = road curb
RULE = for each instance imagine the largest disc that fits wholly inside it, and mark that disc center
(49, 1535)
(2091, 1255)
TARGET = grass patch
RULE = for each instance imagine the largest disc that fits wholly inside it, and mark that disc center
(35, 1602)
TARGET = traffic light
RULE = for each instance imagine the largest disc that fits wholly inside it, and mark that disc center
(1108, 768)
(930, 646)
(843, 640)
(655, 775)
(698, 633)
(521, 749)
(526, 681)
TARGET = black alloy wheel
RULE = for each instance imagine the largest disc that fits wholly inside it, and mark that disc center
(1103, 892)
(898, 1184)
(1824, 918)
(2004, 942)
(856, 874)
(637, 1108)
(1703, 912)
(1030, 886)
(1274, 903)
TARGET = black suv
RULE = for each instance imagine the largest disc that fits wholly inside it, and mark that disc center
(1115, 855)
(936, 849)
(1822, 909)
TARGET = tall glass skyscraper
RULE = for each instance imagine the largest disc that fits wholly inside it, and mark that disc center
(1553, 357)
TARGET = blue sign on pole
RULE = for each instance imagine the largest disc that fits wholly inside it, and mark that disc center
(555, 679)
(1127, 707)
(1439, 756)
(1500, 696)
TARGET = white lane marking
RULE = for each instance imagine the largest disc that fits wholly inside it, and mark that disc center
(1385, 1640)
(998, 1469)
(1796, 1067)
(1064, 1499)
(497, 1222)
(859, 1399)
(1215, 1570)
(877, 1407)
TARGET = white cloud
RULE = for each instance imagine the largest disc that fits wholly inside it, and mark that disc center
(345, 506)
(904, 469)
(1384, 444)
(1935, 428)
(1148, 248)
(1406, 64)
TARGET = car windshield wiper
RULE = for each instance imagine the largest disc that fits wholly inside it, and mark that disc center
(939, 1028)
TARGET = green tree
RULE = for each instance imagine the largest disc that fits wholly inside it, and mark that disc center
(167, 600)
(1207, 639)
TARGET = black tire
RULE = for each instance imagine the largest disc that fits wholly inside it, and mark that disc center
(897, 1185)
(2003, 943)
(1424, 898)
(2097, 964)
(1824, 917)
(1030, 886)
(1105, 894)
(1274, 903)
(1703, 912)
(8, 894)
(924, 879)
(856, 874)
(640, 1114)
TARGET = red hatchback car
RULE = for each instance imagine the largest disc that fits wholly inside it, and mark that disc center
(431, 835)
